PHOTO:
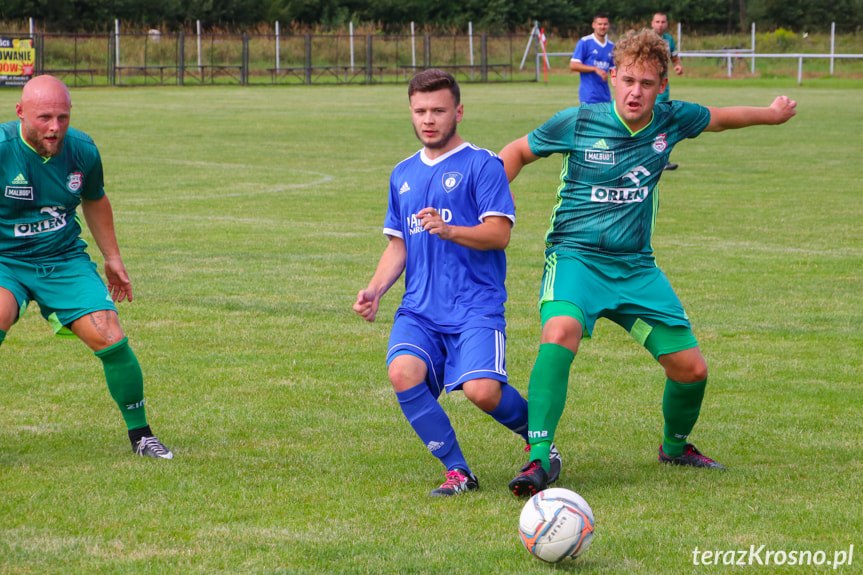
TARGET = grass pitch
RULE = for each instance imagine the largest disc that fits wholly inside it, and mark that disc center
(250, 217)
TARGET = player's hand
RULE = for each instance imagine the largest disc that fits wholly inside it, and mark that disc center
(784, 108)
(678, 69)
(367, 304)
(433, 223)
(602, 74)
(119, 285)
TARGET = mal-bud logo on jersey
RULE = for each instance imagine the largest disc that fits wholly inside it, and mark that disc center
(659, 144)
(75, 181)
(450, 181)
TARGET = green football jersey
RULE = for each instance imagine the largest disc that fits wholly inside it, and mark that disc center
(38, 217)
(672, 47)
(607, 198)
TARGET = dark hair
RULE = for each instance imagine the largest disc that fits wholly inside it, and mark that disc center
(433, 80)
(601, 15)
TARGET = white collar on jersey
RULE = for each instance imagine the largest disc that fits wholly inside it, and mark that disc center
(595, 39)
(429, 162)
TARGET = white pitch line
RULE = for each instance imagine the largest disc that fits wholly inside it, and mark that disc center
(322, 179)
(149, 216)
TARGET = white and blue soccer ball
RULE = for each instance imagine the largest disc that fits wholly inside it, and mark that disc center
(556, 524)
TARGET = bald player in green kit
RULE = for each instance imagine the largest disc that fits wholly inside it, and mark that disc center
(48, 169)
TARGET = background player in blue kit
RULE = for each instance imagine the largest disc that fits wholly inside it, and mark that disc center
(48, 169)
(448, 222)
(599, 260)
(593, 58)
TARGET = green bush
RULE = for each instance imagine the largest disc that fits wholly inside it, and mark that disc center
(784, 39)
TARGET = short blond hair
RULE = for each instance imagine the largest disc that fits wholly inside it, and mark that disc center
(644, 47)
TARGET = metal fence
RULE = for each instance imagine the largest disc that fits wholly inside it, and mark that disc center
(732, 60)
(247, 59)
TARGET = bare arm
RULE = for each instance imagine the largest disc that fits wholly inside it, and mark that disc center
(390, 267)
(780, 111)
(515, 156)
(678, 66)
(100, 220)
(585, 69)
(492, 234)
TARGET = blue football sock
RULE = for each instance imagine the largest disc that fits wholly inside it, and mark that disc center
(511, 412)
(431, 424)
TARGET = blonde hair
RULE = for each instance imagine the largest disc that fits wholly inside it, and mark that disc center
(640, 48)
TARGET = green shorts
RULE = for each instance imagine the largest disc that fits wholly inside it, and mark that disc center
(635, 297)
(65, 289)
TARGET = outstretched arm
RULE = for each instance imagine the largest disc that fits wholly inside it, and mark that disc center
(100, 220)
(780, 111)
(515, 156)
(390, 267)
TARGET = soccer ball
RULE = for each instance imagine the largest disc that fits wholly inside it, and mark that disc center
(556, 524)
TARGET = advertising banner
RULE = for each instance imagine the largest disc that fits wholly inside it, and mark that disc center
(17, 59)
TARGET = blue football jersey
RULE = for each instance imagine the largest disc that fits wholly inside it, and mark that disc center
(448, 286)
(590, 51)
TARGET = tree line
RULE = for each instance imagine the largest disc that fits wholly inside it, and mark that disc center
(394, 16)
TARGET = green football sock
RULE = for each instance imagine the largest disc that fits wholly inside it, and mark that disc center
(546, 396)
(125, 382)
(681, 404)
(2, 336)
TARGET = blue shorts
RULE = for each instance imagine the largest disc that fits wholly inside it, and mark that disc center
(451, 359)
(65, 289)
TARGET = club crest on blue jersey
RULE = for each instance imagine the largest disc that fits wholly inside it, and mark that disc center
(74, 182)
(451, 180)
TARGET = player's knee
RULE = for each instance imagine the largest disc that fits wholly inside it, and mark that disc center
(700, 373)
(685, 366)
(8, 309)
(562, 330)
(98, 329)
(484, 393)
(689, 372)
(405, 372)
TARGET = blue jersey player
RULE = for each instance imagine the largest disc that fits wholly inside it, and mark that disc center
(599, 260)
(593, 59)
(448, 222)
